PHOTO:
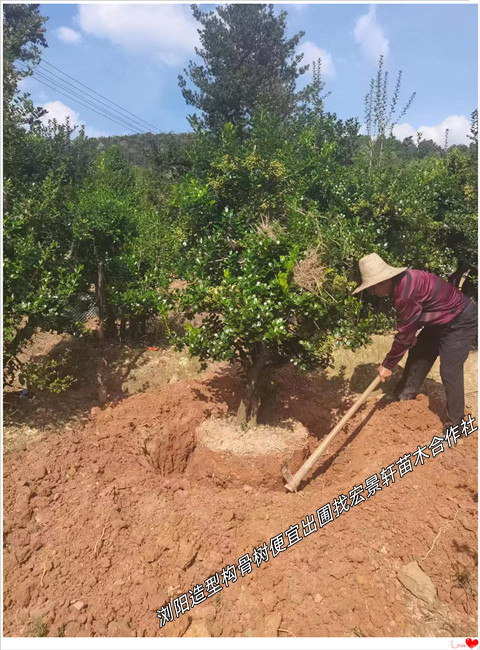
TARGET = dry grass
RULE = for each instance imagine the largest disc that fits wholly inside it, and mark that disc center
(179, 285)
(309, 273)
(268, 228)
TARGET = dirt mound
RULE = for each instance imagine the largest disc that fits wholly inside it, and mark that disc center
(105, 524)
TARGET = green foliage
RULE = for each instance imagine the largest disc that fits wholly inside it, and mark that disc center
(247, 62)
(40, 282)
(258, 204)
(258, 306)
(102, 213)
(23, 36)
(46, 375)
(29, 156)
(381, 114)
(264, 209)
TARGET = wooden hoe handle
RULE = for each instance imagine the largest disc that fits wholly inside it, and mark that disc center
(312, 459)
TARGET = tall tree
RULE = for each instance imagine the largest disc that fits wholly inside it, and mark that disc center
(248, 61)
(23, 36)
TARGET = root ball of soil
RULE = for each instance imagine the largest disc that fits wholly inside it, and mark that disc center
(229, 454)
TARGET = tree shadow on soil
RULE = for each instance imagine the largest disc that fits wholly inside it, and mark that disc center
(42, 408)
(293, 394)
(317, 400)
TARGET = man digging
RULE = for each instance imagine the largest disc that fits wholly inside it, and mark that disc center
(449, 320)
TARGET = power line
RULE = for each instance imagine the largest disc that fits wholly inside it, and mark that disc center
(117, 118)
(89, 107)
(109, 100)
(47, 74)
(89, 104)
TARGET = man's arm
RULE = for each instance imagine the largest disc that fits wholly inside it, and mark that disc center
(408, 322)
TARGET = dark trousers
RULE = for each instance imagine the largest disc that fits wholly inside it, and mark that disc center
(452, 342)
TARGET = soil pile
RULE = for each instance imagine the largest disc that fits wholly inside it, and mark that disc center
(105, 524)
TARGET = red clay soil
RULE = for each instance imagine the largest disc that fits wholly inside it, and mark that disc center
(105, 524)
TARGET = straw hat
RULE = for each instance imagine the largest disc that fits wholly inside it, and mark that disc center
(375, 270)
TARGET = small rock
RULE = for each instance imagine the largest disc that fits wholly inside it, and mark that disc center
(91, 580)
(444, 511)
(271, 623)
(79, 605)
(151, 554)
(48, 566)
(105, 562)
(228, 515)
(198, 628)
(23, 554)
(417, 582)
(457, 594)
(41, 410)
(383, 550)
(95, 411)
(352, 620)
(186, 555)
(247, 488)
(37, 472)
(318, 598)
(42, 517)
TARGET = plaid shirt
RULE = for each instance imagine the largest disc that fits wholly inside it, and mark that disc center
(420, 298)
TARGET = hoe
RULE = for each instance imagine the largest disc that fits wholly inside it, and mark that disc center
(293, 481)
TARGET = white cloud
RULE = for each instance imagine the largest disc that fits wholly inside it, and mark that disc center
(167, 32)
(59, 111)
(402, 131)
(92, 132)
(297, 7)
(369, 35)
(312, 52)
(68, 35)
(458, 129)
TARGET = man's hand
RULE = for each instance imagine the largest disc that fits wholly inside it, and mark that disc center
(383, 373)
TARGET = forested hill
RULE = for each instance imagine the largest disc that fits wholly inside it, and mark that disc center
(141, 148)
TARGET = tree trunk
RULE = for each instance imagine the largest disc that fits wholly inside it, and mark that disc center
(123, 329)
(133, 328)
(101, 303)
(255, 383)
(111, 331)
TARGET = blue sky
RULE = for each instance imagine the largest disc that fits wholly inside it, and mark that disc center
(133, 53)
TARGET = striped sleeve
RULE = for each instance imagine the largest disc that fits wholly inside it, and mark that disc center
(409, 311)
